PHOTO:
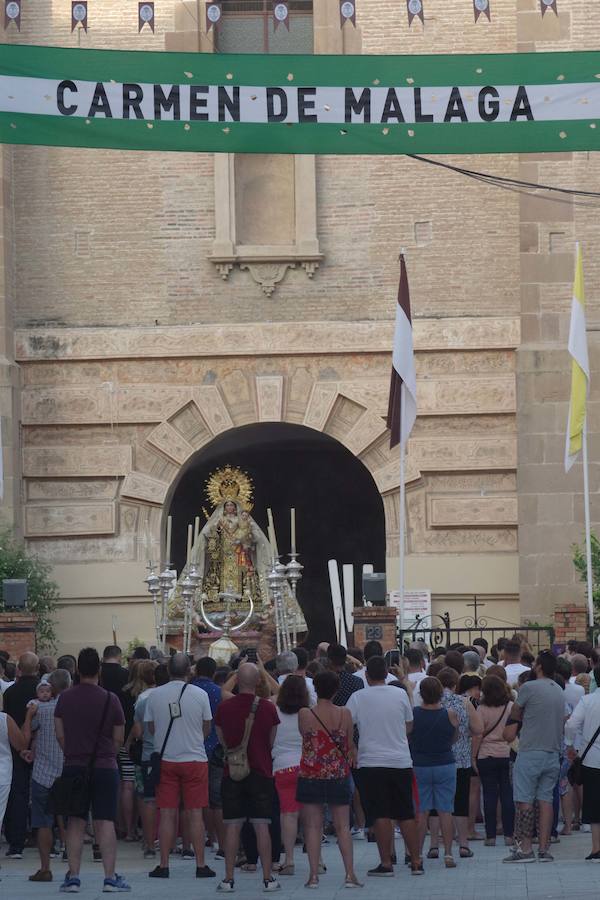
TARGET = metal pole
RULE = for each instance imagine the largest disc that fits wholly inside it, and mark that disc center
(588, 532)
(402, 501)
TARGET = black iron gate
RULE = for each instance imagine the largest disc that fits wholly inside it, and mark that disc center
(438, 631)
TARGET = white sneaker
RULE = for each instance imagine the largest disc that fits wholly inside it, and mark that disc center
(358, 833)
(271, 884)
(226, 886)
(587, 829)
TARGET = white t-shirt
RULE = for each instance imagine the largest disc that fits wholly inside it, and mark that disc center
(573, 694)
(186, 741)
(312, 694)
(380, 715)
(362, 673)
(513, 670)
(416, 677)
(287, 748)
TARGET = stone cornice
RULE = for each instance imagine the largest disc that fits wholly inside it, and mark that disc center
(38, 343)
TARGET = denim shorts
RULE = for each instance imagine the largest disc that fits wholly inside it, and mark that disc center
(324, 791)
(436, 786)
(535, 774)
(40, 818)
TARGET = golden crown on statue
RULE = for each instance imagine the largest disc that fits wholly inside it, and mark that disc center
(230, 483)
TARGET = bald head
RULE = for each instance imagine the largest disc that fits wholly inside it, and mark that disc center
(248, 677)
(28, 664)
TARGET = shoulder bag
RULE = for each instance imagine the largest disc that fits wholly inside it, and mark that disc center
(237, 757)
(494, 726)
(70, 794)
(575, 773)
(156, 757)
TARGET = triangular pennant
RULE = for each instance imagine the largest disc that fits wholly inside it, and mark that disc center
(214, 11)
(545, 5)
(481, 8)
(347, 12)
(12, 13)
(145, 15)
(415, 11)
(79, 14)
(281, 15)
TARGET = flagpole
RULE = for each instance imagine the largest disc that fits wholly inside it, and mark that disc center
(402, 499)
(588, 530)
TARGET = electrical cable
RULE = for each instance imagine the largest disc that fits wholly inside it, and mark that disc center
(503, 180)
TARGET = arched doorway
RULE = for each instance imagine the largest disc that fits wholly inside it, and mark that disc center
(339, 510)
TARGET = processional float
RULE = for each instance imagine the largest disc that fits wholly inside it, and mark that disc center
(233, 577)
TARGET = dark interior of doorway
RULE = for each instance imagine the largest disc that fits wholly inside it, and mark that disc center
(339, 511)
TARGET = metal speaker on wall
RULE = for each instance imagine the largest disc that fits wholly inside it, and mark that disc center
(14, 593)
(373, 585)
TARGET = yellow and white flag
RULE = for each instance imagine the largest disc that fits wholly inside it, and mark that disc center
(580, 367)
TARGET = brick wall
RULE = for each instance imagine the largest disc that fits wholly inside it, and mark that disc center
(375, 623)
(570, 623)
(17, 633)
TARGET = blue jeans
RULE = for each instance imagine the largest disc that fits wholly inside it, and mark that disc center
(494, 773)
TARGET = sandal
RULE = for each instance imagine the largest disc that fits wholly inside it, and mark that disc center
(417, 869)
(465, 852)
(433, 853)
(449, 861)
(288, 869)
(352, 882)
(312, 884)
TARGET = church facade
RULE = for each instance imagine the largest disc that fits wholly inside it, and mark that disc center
(153, 303)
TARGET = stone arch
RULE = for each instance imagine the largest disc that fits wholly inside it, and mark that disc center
(352, 412)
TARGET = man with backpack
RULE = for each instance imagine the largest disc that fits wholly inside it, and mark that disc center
(179, 716)
(246, 727)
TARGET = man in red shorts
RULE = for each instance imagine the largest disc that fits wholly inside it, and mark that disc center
(185, 709)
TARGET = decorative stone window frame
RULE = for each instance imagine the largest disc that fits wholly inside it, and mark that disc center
(266, 263)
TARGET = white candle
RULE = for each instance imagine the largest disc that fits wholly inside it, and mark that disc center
(196, 536)
(168, 541)
(293, 526)
(272, 537)
(189, 545)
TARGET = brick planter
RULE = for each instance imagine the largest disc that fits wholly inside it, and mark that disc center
(17, 633)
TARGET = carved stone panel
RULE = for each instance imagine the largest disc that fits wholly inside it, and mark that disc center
(320, 405)
(64, 462)
(166, 439)
(143, 487)
(213, 409)
(48, 489)
(269, 391)
(71, 519)
(476, 512)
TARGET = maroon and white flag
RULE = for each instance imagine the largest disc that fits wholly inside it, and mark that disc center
(145, 15)
(12, 13)
(79, 14)
(402, 407)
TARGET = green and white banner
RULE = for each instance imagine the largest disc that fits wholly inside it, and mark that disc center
(496, 103)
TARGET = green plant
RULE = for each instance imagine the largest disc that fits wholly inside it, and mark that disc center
(133, 643)
(42, 592)
(580, 563)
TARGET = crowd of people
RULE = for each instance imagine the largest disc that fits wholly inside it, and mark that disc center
(251, 760)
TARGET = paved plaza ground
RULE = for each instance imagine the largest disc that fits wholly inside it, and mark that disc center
(482, 878)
